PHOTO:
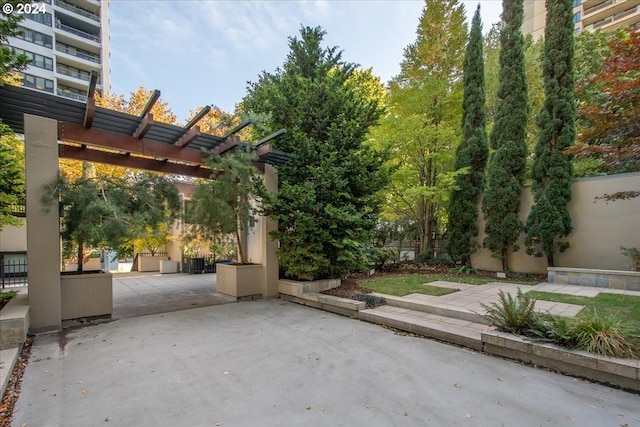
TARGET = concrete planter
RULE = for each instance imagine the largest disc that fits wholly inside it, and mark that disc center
(150, 263)
(167, 266)
(86, 295)
(242, 281)
(14, 322)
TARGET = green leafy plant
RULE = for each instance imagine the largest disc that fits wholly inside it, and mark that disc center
(463, 269)
(509, 314)
(606, 336)
(379, 257)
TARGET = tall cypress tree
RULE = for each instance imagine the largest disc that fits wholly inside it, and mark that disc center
(471, 153)
(507, 166)
(549, 219)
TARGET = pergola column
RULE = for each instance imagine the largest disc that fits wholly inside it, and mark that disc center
(268, 246)
(43, 229)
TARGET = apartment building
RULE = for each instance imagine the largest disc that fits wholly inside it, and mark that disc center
(588, 15)
(66, 40)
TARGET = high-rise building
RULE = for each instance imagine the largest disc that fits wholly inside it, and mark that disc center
(588, 15)
(66, 41)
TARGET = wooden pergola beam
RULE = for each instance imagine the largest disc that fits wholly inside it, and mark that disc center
(237, 129)
(226, 146)
(188, 137)
(197, 117)
(122, 159)
(270, 137)
(144, 126)
(264, 150)
(155, 95)
(90, 108)
(126, 143)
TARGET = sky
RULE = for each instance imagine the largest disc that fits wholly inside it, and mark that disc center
(204, 52)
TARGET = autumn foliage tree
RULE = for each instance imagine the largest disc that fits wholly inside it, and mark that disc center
(611, 131)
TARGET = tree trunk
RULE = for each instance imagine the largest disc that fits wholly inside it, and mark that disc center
(239, 240)
(505, 260)
(80, 256)
(550, 262)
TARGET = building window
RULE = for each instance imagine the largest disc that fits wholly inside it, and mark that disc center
(43, 18)
(36, 82)
(577, 3)
(35, 37)
(36, 59)
(577, 17)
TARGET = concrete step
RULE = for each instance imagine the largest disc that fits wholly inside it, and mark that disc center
(453, 330)
(434, 307)
(8, 359)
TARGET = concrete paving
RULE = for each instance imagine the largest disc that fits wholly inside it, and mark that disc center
(140, 294)
(275, 363)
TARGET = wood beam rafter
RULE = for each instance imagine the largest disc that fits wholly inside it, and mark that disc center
(155, 95)
(119, 159)
(270, 137)
(198, 116)
(264, 150)
(237, 129)
(226, 146)
(116, 141)
(188, 137)
(144, 126)
(90, 108)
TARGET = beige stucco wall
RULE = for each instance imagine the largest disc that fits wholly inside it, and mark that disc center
(13, 239)
(43, 229)
(599, 228)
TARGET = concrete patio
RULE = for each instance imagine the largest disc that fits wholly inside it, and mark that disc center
(271, 362)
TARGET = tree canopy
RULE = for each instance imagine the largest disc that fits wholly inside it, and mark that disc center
(327, 202)
(549, 219)
(471, 154)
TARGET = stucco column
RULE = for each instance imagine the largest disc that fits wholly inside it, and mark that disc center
(269, 246)
(43, 229)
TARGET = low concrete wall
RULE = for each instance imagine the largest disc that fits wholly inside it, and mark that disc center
(299, 288)
(14, 322)
(618, 372)
(86, 295)
(614, 279)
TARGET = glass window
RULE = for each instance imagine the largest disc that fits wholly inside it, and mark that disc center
(43, 18)
(36, 59)
(36, 82)
(35, 37)
(576, 17)
(577, 3)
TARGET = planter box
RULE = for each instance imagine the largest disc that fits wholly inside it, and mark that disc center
(242, 281)
(14, 322)
(298, 288)
(92, 264)
(86, 295)
(609, 370)
(167, 266)
(150, 263)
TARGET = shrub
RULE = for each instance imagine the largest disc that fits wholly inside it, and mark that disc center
(634, 253)
(514, 315)
(380, 256)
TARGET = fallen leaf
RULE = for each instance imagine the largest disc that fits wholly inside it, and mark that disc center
(308, 408)
(218, 423)
(457, 385)
(468, 416)
(406, 414)
(567, 417)
(367, 406)
(85, 391)
(106, 420)
(500, 379)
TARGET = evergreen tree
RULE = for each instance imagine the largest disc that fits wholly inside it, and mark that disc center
(471, 153)
(549, 219)
(507, 166)
(327, 202)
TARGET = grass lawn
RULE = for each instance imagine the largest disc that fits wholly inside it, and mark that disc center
(624, 307)
(403, 284)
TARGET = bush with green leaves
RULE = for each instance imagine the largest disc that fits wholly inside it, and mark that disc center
(515, 315)
(381, 256)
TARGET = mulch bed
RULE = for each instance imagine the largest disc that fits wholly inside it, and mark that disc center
(14, 385)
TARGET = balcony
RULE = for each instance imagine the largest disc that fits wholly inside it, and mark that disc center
(77, 32)
(75, 9)
(73, 72)
(71, 95)
(596, 8)
(78, 53)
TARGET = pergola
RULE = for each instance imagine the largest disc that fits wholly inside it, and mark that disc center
(56, 127)
(92, 133)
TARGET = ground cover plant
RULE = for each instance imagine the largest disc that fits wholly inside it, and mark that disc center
(604, 333)
(6, 296)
